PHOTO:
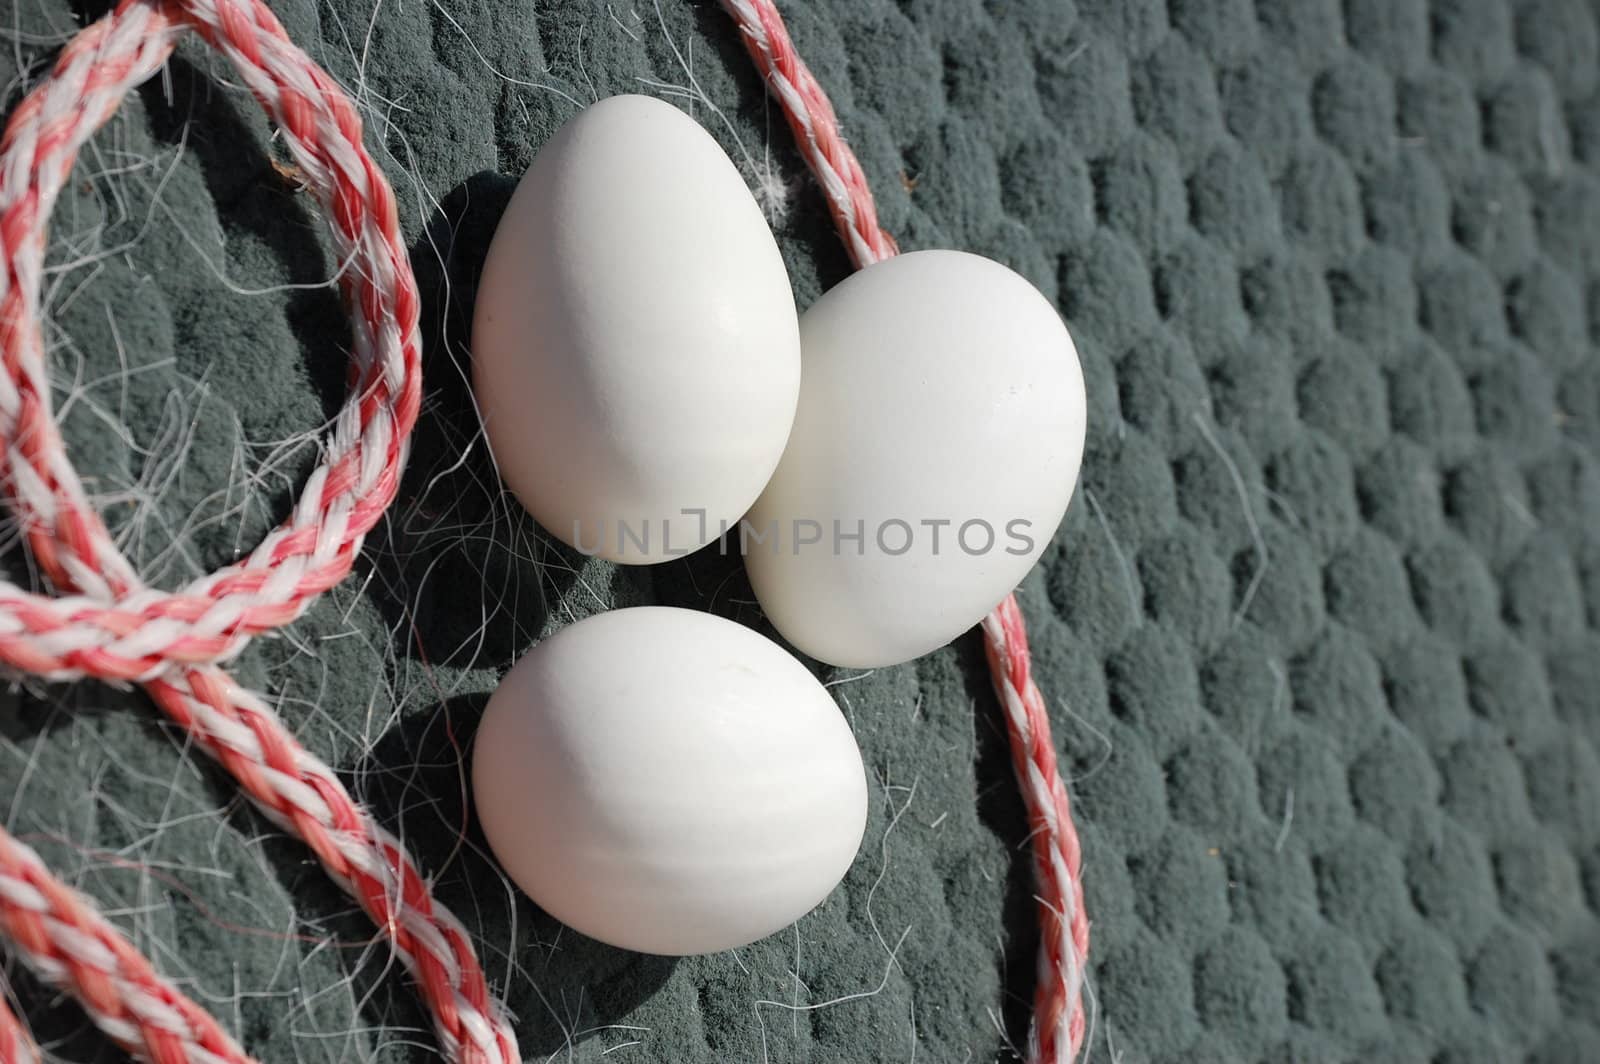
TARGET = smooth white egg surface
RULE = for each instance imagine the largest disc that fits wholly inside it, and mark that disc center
(935, 448)
(668, 781)
(636, 353)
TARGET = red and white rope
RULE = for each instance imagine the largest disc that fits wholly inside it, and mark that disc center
(816, 129)
(1058, 1013)
(124, 996)
(116, 629)
(16, 1045)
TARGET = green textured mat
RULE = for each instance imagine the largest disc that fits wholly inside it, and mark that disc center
(1321, 630)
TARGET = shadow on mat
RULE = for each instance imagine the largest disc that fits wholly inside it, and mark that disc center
(466, 577)
(560, 985)
(186, 106)
(1001, 810)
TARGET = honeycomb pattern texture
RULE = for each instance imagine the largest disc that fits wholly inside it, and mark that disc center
(1321, 629)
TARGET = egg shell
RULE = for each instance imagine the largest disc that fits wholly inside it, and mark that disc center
(938, 386)
(635, 345)
(668, 781)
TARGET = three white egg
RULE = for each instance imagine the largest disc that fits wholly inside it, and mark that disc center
(662, 779)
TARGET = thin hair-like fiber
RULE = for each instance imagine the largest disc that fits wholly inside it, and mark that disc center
(1059, 1024)
(109, 625)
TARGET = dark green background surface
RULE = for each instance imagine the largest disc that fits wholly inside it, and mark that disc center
(1321, 632)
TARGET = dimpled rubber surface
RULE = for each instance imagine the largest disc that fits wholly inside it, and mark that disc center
(1322, 628)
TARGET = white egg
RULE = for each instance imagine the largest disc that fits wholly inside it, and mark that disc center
(933, 454)
(668, 781)
(636, 355)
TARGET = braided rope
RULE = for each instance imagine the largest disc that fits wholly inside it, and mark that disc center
(816, 129)
(117, 629)
(1058, 1015)
(124, 996)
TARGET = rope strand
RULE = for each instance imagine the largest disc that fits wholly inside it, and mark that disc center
(63, 938)
(114, 627)
(1058, 1016)
(16, 1045)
